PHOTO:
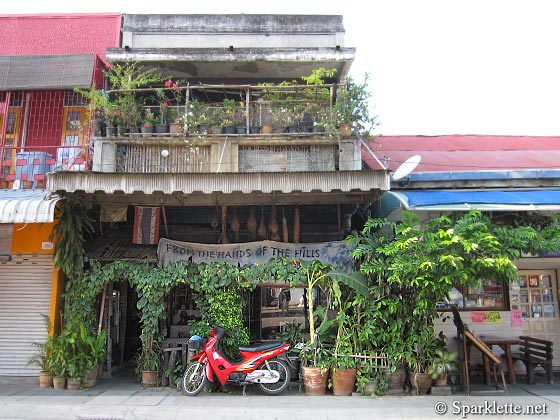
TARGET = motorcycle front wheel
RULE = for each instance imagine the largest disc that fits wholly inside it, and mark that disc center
(194, 379)
(283, 380)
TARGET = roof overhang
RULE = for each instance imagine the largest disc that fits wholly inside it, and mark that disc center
(27, 206)
(203, 188)
(242, 64)
(40, 72)
(488, 200)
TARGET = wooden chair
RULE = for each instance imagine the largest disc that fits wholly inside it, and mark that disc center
(467, 340)
(535, 352)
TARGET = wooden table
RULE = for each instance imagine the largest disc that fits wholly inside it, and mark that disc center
(505, 344)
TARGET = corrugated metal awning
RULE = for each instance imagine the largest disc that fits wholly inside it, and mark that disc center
(487, 200)
(226, 183)
(33, 72)
(27, 206)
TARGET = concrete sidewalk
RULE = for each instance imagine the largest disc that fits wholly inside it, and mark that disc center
(123, 397)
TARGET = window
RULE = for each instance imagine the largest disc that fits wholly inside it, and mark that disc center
(490, 295)
(535, 296)
(281, 306)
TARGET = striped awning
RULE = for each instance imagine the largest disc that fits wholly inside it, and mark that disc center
(27, 206)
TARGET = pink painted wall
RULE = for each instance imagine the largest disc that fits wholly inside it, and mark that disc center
(59, 34)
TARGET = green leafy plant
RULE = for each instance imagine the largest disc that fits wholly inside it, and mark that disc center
(352, 105)
(411, 266)
(291, 332)
(99, 107)
(219, 291)
(228, 112)
(43, 358)
(442, 362)
(60, 357)
(73, 227)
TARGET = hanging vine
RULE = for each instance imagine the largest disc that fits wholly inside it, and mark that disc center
(73, 227)
(219, 295)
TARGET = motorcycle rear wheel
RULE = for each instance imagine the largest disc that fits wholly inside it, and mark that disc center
(194, 379)
(283, 381)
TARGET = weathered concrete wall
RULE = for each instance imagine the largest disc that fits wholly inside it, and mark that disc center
(239, 31)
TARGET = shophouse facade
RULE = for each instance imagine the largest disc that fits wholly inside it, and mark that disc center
(42, 59)
(217, 194)
(509, 178)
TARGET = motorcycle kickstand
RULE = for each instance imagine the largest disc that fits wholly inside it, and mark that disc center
(244, 386)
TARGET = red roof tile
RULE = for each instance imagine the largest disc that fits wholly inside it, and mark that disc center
(465, 152)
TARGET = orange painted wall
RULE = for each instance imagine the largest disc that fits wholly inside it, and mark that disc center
(28, 238)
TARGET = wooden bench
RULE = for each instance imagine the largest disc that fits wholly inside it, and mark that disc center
(535, 352)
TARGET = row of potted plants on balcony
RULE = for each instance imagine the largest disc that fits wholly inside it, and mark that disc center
(133, 105)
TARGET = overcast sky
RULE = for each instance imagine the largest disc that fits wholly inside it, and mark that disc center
(436, 66)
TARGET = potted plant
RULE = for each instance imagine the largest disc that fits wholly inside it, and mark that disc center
(123, 79)
(439, 367)
(95, 348)
(348, 301)
(148, 360)
(351, 109)
(98, 108)
(315, 361)
(228, 111)
(424, 345)
(58, 363)
(149, 122)
(43, 358)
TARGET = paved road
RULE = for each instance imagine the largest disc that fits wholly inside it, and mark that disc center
(124, 398)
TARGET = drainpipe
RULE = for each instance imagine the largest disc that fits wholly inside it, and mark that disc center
(222, 155)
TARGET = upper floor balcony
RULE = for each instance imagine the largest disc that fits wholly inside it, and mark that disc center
(206, 129)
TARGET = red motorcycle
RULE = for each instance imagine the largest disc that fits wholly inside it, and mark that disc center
(266, 365)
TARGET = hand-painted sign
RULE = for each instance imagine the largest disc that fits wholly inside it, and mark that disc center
(336, 253)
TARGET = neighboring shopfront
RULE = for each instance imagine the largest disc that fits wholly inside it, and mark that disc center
(493, 174)
(30, 286)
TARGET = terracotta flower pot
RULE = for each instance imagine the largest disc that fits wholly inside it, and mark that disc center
(149, 378)
(176, 128)
(315, 380)
(91, 379)
(343, 381)
(441, 380)
(422, 382)
(266, 129)
(395, 380)
(345, 130)
(59, 383)
(45, 379)
(74, 384)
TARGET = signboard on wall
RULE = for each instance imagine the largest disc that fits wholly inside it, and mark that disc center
(336, 253)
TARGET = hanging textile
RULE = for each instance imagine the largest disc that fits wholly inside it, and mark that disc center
(146, 225)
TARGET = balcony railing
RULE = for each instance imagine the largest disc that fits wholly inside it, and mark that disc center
(221, 129)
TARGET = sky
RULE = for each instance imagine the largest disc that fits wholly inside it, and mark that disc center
(435, 66)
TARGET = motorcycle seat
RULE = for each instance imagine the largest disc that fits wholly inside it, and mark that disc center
(256, 347)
